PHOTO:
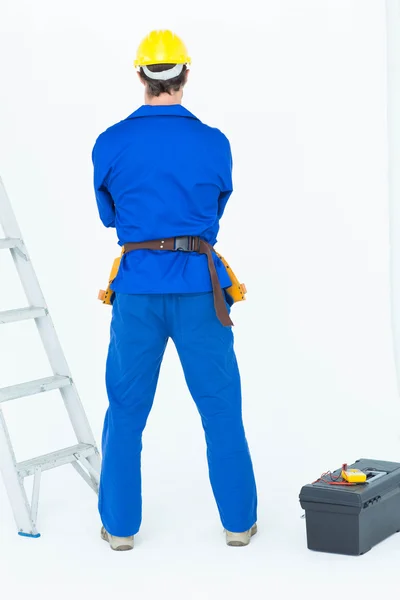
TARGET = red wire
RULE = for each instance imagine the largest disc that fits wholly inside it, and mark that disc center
(334, 479)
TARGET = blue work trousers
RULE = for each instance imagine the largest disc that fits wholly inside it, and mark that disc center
(140, 329)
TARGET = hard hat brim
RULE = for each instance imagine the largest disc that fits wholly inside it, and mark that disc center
(146, 63)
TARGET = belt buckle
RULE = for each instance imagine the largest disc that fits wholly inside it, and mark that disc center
(183, 244)
(187, 243)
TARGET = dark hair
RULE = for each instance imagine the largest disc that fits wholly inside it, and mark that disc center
(155, 87)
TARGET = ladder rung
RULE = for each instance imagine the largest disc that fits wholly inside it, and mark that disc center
(54, 459)
(34, 387)
(6, 243)
(22, 314)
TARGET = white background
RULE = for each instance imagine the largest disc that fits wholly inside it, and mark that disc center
(299, 87)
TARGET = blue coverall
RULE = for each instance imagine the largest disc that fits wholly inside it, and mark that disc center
(162, 173)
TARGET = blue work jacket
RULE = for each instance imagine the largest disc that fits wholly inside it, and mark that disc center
(162, 173)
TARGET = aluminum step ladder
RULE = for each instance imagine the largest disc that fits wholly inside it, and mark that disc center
(84, 456)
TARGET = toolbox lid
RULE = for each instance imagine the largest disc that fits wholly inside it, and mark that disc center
(383, 477)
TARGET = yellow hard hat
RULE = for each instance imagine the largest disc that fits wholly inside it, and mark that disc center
(162, 46)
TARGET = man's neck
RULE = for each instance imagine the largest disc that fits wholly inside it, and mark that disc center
(164, 99)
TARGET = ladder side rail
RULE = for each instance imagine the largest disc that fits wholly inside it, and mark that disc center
(14, 484)
(35, 494)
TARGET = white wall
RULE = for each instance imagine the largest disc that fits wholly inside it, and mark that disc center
(300, 89)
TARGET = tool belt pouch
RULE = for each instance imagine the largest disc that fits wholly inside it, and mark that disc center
(106, 295)
(237, 291)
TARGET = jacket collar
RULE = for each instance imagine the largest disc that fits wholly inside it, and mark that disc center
(174, 110)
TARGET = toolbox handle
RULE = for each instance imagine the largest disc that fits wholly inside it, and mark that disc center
(373, 475)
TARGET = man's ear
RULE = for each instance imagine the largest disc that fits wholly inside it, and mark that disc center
(187, 75)
(141, 78)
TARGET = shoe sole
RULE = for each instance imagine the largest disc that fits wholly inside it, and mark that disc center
(237, 544)
(122, 548)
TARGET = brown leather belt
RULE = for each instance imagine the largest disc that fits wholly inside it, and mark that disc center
(191, 244)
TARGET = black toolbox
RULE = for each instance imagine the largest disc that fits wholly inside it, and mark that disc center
(351, 520)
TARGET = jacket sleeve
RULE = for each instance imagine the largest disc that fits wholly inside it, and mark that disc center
(105, 203)
(226, 178)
